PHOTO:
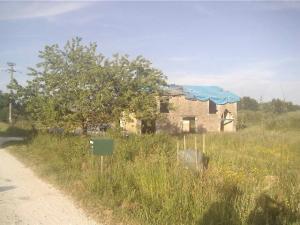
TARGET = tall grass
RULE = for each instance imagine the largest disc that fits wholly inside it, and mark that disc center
(253, 176)
(20, 128)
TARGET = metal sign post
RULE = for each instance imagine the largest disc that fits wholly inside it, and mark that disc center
(102, 147)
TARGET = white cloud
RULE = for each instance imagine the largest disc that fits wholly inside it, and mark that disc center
(256, 81)
(26, 10)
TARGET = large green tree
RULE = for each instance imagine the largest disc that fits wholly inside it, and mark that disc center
(137, 86)
(77, 87)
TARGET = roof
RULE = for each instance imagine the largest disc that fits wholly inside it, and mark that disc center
(203, 93)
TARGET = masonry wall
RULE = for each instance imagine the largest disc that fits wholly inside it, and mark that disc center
(182, 107)
(130, 124)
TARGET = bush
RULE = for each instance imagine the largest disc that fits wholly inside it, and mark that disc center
(247, 103)
(248, 118)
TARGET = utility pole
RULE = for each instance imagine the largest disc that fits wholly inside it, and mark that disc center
(11, 70)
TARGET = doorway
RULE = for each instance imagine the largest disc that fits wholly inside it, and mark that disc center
(227, 121)
(148, 126)
(188, 124)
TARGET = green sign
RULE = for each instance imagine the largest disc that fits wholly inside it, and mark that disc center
(102, 146)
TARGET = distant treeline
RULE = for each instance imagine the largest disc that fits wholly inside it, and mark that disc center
(4, 101)
(4, 107)
(274, 106)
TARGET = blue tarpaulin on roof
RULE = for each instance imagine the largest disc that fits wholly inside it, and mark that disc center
(213, 93)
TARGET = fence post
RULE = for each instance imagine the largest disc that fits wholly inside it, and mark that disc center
(196, 150)
(177, 151)
(203, 142)
(101, 164)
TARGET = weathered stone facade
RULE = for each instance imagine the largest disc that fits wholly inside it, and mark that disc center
(186, 115)
(190, 109)
(196, 113)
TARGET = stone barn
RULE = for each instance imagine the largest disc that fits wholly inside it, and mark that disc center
(190, 109)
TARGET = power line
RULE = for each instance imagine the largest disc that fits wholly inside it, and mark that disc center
(11, 69)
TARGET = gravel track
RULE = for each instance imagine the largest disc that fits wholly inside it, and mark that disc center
(27, 200)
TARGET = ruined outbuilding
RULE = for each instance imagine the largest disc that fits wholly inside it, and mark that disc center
(191, 109)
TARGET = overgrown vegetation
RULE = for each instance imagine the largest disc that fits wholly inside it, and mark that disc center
(4, 101)
(75, 86)
(253, 175)
(19, 129)
(276, 114)
(18, 110)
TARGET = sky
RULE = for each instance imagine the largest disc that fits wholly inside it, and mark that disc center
(249, 48)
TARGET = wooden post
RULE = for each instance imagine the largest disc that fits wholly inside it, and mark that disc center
(203, 142)
(196, 150)
(101, 164)
(177, 151)
(184, 143)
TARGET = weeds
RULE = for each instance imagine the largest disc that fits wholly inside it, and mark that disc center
(252, 174)
(22, 128)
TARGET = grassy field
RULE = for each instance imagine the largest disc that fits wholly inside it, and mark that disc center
(253, 175)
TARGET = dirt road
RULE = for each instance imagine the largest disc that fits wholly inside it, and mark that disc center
(25, 199)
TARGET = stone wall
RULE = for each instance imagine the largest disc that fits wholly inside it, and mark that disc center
(182, 107)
